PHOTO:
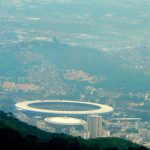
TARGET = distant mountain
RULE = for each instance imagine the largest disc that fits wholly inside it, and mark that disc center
(17, 135)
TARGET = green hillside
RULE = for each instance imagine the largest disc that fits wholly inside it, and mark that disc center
(23, 57)
(18, 135)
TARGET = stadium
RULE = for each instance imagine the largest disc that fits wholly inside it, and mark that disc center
(63, 107)
(64, 116)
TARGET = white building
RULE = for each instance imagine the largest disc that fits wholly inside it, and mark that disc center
(95, 127)
(80, 133)
(128, 122)
(145, 133)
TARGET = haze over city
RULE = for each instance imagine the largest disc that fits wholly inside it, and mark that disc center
(77, 67)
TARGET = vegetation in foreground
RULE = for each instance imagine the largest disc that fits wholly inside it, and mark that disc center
(15, 134)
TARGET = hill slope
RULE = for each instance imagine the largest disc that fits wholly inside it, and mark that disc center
(17, 135)
(26, 58)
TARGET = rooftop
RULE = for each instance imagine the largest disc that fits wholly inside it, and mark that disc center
(64, 121)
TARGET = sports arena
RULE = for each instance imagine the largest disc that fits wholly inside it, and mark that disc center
(63, 107)
(65, 116)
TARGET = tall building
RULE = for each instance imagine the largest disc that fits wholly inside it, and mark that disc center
(95, 126)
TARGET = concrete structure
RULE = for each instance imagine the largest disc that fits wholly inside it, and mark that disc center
(95, 126)
(64, 115)
(80, 133)
(65, 124)
(129, 122)
(64, 107)
(145, 133)
(65, 121)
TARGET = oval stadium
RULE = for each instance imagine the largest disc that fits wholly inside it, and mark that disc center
(63, 107)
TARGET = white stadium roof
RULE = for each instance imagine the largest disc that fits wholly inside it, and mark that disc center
(64, 121)
(100, 108)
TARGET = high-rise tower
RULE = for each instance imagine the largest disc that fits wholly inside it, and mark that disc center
(95, 125)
